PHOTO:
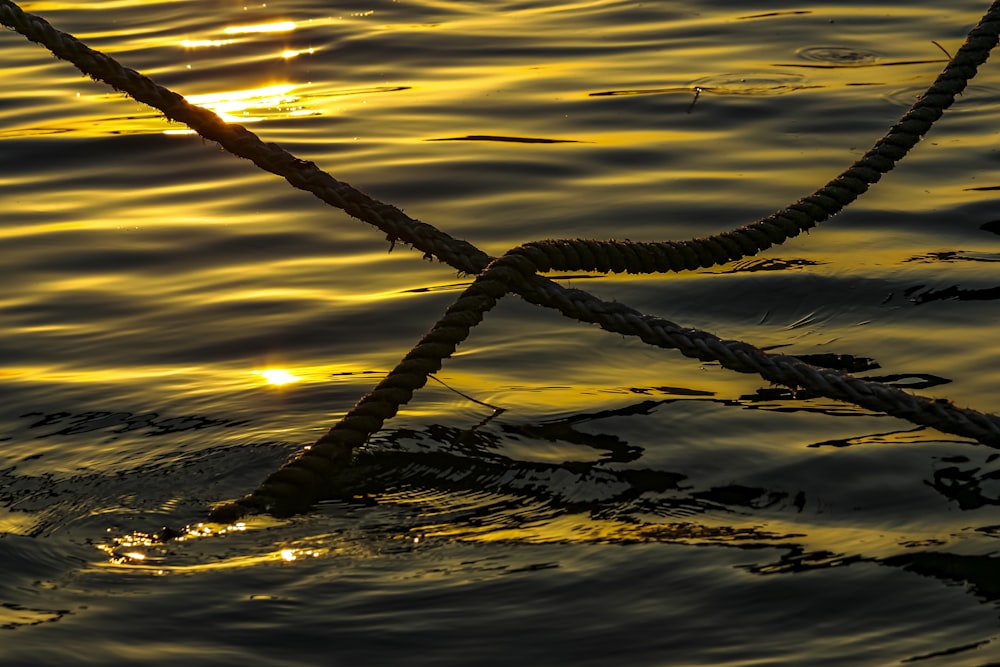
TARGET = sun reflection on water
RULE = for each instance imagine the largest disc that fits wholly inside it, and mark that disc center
(277, 376)
(203, 43)
(277, 26)
(157, 553)
(251, 105)
(293, 53)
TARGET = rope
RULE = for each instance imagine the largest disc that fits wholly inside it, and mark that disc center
(240, 141)
(315, 472)
(626, 256)
(308, 476)
(549, 255)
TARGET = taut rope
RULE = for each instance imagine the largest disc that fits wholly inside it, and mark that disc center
(312, 473)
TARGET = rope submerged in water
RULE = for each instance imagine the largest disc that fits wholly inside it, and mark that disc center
(312, 473)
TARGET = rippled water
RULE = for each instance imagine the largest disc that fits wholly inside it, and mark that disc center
(628, 505)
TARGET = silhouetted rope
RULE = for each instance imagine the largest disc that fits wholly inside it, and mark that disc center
(550, 255)
(313, 473)
(242, 142)
(625, 256)
(308, 476)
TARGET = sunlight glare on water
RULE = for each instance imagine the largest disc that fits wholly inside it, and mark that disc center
(177, 323)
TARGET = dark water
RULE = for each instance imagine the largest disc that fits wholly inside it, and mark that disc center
(629, 506)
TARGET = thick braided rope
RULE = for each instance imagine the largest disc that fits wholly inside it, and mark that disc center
(313, 473)
(242, 142)
(335, 448)
(778, 368)
(626, 256)
(558, 255)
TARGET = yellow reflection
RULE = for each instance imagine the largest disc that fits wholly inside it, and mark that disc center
(19, 523)
(234, 96)
(277, 26)
(833, 544)
(63, 6)
(191, 380)
(249, 106)
(277, 376)
(229, 103)
(159, 556)
(14, 615)
(289, 555)
(292, 53)
(811, 536)
(100, 376)
(202, 43)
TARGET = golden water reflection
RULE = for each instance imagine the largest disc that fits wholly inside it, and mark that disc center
(203, 43)
(277, 26)
(156, 553)
(251, 105)
(277, 376)
(278, 306)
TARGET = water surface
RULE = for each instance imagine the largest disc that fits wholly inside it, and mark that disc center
(628, 504)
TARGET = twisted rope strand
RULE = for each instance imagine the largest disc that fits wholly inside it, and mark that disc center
(778, 368)
(661, 257)
(305, 478)
(240, 141)
(314, 473)
(548, 255)
(827, 201)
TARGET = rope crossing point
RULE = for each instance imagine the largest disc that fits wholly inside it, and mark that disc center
(313, 472)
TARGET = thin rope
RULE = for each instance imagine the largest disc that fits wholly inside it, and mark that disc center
(309, 475)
